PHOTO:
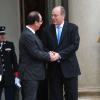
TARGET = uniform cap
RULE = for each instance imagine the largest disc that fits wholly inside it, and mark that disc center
(2, 30)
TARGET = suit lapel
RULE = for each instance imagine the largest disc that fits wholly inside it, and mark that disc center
(54, 37)
(64, 31)
(39, 43)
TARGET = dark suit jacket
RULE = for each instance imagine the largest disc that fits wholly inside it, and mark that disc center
(8, 63)
(32, 57)
(67, 48)
(1, 68)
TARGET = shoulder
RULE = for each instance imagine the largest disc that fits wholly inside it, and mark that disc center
(9, 42)
(72, 25)
(26, 32)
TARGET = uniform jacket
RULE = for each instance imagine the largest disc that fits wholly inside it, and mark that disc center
(1, 68)
(8, 62)
(32, 56)
(69, 44)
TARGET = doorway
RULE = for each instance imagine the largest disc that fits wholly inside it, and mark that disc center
(27, 6)
(44, 7)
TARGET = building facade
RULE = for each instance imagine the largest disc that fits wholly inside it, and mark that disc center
(84, 13)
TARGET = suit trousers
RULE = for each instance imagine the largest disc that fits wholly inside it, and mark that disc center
(43, 90)
(29, 89)
(9, 92)
(60, 87)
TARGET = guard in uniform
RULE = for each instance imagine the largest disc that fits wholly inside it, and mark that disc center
(8, 66)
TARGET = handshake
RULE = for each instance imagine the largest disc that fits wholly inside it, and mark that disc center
(54, 56)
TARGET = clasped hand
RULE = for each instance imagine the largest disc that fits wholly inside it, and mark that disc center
(54, 56)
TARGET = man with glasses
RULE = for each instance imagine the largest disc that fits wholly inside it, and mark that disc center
(32, 57)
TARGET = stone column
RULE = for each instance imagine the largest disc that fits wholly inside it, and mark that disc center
(10, 18)
(86, 14)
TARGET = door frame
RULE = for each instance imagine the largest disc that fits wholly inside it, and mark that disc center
(49, 5)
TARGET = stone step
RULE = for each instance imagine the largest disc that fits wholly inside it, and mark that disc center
(90, 98)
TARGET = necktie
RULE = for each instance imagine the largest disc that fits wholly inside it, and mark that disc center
(58, 33)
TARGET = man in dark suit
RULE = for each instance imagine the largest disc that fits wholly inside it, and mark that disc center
(62, 37)
(8, 66)
(32, 57)
(1, 69)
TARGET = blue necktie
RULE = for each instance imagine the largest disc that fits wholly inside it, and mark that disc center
(58, 33)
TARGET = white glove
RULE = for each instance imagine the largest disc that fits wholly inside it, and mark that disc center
(17, 82)
(0, 77)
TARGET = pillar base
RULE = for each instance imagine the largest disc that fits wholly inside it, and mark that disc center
(89, 94)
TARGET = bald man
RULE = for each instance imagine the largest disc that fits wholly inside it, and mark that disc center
(63, 38)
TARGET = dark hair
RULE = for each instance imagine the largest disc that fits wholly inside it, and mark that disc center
(32, 17)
